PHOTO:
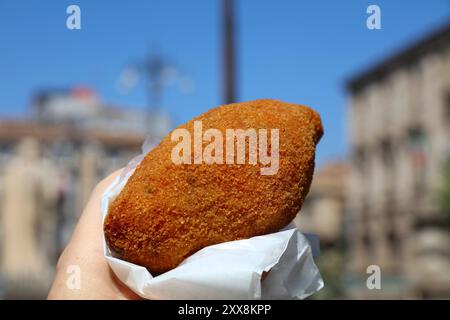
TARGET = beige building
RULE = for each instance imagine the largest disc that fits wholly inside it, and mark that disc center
(400, 143)
(49, 164)
(323, 215)
(323, 210)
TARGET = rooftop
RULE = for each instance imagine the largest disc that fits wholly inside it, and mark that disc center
(433, 42)
(12, 130)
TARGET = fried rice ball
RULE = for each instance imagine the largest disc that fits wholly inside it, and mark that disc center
(167, 211)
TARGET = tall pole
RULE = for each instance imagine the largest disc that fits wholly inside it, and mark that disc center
(229, 85)
(154, 67)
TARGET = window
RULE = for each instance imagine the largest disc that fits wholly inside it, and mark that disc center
(359, 160)
(447, 108)
(365, 219)
(417, 145)
(387, 153)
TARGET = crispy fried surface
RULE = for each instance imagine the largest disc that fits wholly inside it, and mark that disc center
(166, 212)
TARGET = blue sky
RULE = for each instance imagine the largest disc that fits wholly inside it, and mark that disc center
(298, 51)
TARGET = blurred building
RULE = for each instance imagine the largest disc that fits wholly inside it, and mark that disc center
(323, 210)
(323, 214)
(400, 143)
(49, 164)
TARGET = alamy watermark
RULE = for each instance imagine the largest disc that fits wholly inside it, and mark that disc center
(235, 147)
(73, 281)
(73, 21)
(373, 21)
(374, 280)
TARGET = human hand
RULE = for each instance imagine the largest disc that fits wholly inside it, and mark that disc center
(85, 250)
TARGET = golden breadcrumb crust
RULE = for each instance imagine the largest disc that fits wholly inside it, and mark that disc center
(167, 212)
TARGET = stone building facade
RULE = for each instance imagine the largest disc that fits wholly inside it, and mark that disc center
(399, 113)
(323, 210)
(49, 164)
(323, 214)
